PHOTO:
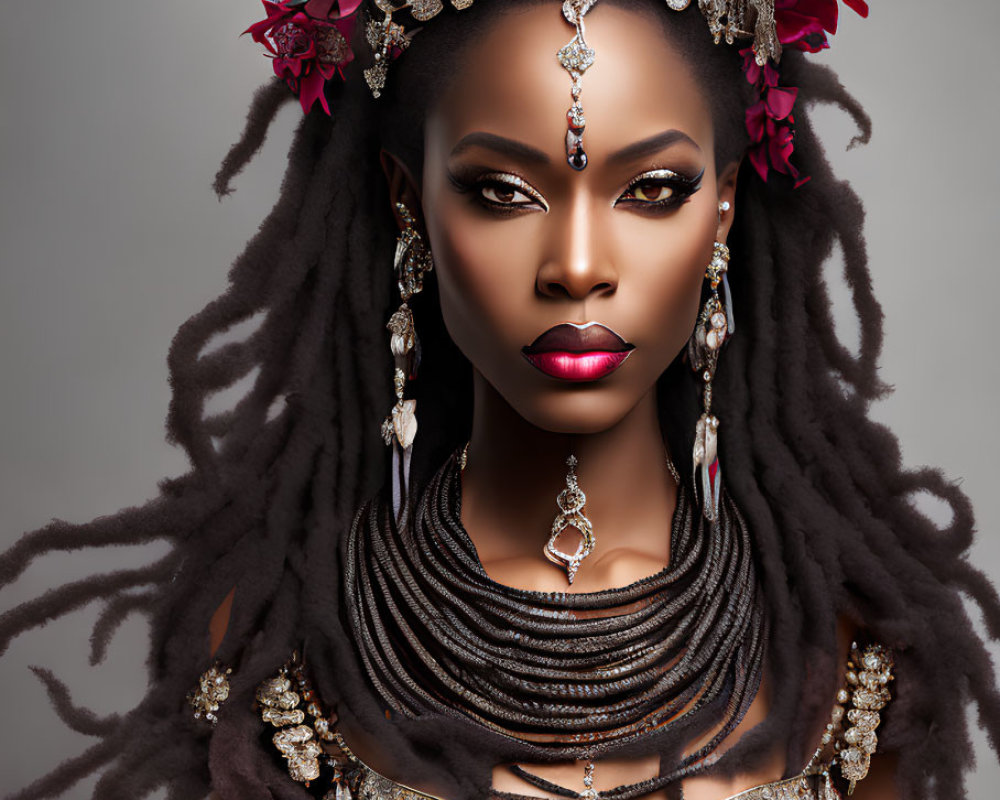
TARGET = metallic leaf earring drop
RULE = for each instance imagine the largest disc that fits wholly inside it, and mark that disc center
(576, 58)
(571, 501)
(412, 261)
(715, 325)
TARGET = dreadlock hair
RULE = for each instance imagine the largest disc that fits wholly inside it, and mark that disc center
(276, 479)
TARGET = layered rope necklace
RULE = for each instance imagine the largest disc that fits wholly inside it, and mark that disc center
(569, 676)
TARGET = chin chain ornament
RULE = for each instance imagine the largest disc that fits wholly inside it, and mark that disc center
(571, 501)
(715, 325)
(413, 260)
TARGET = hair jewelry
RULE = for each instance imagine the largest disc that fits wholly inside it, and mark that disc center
(412, 261)
(310, 43)
(571, 501)
(715, 325)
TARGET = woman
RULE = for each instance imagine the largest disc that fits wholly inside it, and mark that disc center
(276, 488)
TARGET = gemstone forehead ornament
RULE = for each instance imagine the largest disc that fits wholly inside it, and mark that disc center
(576, 58)
(727, 19)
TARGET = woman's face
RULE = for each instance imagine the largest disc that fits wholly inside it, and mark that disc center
(522, 243)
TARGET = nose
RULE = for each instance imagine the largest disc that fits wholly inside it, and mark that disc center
(577, 265)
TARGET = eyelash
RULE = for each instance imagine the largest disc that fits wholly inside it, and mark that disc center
(505, 182)
(681, 188)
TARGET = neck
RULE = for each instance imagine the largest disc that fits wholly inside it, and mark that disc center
(515, 472)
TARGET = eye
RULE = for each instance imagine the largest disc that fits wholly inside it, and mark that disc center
(504, 191)
(504, 194)
(652, 192)
(659, 190)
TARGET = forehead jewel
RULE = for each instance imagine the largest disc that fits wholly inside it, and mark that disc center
(312, 42)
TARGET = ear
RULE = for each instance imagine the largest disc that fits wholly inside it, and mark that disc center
(726, 190)
(402, 189)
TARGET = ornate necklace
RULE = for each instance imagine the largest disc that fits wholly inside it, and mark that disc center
(568, 676)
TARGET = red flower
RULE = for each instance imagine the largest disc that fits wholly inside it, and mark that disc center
(309, 43)
(801, 25)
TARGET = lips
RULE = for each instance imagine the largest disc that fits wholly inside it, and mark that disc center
(579, 353)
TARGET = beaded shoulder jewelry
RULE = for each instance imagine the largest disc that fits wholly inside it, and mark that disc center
(305, 734)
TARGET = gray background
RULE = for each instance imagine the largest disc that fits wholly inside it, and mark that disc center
(114, 117)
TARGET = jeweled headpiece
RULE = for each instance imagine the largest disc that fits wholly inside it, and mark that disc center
(311, 43)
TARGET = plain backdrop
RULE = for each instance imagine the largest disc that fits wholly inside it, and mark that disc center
(114, 115)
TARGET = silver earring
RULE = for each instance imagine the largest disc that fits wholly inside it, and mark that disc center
(715, 325)
(412, 261)
(571, 501)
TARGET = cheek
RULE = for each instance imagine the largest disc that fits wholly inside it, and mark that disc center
(485, 277)
(666, 263)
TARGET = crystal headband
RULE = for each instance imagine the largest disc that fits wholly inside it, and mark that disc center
(310, 44)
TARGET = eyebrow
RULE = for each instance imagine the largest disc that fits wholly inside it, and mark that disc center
(502, 145)
(512, 147)
(651, 145)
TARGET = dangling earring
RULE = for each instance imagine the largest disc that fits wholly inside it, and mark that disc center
(571, 501)
(715, 325)
(412, 261)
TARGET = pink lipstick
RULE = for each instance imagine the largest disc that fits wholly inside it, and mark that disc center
(578, 353)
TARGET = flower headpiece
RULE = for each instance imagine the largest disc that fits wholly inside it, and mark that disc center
(310, 42)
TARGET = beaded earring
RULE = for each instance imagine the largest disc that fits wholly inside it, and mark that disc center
(714, 327)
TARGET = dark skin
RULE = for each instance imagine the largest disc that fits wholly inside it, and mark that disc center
(521, 243)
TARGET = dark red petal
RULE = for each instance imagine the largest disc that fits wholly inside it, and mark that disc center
(758, 159)
(311, 90)
(796, 28)
(771, 75)
(319, 9)
(859, 6)
(755, 117)
(824, 12)
(348, 7)
(780, 101)
(288, 66)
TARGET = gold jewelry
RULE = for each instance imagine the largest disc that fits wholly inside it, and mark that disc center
(412, 261)
(711, 332)
(868, 675)
(212, 692)
(284, 702)
(571, 502)
(851, 744)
